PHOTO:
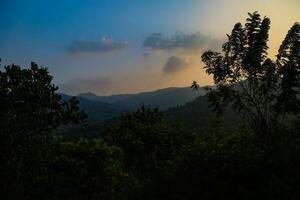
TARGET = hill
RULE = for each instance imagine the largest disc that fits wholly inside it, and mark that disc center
(97, 110)
(163, 98)
(197, 114)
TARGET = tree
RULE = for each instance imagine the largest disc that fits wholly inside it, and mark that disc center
(147, 142)
(86, 169)
(29, 109)
(260, 90)
(288, 61)
(30, 103)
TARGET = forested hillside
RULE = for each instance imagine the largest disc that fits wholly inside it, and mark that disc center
(98, 111)
(163, 98)
(198, 115)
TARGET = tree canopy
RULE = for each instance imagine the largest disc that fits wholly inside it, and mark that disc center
(261, 90)
(30, 109)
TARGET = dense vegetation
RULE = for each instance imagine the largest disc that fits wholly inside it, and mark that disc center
(141, 156)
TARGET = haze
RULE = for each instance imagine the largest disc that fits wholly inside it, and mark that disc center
(110, 47)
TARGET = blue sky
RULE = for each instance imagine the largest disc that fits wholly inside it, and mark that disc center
(99, 45)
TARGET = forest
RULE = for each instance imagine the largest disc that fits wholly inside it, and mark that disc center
(248, 148)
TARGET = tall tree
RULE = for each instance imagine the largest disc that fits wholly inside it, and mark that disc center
(256, 87)
(288, 60)
(29, 109)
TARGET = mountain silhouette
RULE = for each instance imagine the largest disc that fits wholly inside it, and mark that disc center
(163, 98)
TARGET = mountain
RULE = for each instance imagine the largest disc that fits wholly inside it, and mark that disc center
(198, 114)
(191, 109)
(162, 98)
(179, 105)
(97, 110)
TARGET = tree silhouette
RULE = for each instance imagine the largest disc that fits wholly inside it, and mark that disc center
(29, 109)
(288, 61)
(256, 87)
(146, 141)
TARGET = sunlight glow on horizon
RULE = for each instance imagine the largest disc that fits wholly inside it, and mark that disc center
(43, 32)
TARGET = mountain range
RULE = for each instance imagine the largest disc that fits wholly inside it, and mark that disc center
(180, 106)
(101, 108)
(162, 98)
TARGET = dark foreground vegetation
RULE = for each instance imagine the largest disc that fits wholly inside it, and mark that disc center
(141, 156)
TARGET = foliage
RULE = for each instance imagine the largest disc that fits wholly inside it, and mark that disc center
(288, 60)
(147, 143)
(29, 102)
(85, 169)
(233, 165)
(261, 90)
(29, 109)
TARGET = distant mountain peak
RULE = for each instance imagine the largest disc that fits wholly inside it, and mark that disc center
(87, 94)
(101, 108)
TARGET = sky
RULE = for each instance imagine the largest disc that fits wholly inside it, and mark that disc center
(128, 46)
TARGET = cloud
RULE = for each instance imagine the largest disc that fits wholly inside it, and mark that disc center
(193, 41)
(105, 45)
(175, 64)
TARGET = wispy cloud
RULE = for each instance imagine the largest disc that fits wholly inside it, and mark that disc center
(102, 46)
(175, 64)
(193, 41)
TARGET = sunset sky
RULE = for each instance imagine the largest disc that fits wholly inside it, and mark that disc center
(126, 46)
